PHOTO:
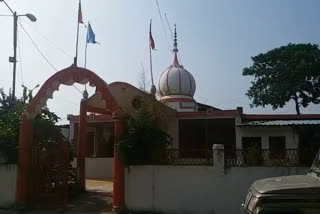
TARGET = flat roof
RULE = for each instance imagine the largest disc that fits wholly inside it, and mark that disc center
(281, 116)
(280, 123)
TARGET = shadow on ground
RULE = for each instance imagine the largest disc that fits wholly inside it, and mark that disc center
(91, 202)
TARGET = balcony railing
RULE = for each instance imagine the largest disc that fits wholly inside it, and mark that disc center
(264, 157)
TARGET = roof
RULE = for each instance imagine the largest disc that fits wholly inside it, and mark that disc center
(205, 107)
(208, 115)
(280, 123)
(281, 117)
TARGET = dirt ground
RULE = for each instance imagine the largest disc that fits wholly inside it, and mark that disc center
(96, 200)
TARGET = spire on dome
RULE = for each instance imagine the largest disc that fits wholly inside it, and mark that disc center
(175, 48)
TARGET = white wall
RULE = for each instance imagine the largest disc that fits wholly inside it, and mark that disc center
(193, 189)
(292, 138)
(98, 168)
(8, 181)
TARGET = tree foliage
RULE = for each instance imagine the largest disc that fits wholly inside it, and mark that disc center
(146, 139)
(10, 112)
(287, 73)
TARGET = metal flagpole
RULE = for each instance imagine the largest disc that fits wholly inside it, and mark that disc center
(77, 42)
(153, 88)
(85, 54)
(150, 53)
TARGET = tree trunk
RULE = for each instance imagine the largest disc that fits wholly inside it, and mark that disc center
(297, 104)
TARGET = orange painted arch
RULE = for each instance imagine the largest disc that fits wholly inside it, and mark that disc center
(69, 76)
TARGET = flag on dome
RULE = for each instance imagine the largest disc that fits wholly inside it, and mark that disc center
(80, 14)
(152, 45)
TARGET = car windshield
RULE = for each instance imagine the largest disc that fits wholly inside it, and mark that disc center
(316, 165)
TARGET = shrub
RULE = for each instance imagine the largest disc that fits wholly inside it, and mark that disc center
(146, 141)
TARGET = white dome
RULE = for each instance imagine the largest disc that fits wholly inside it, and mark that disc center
(176, 80)
(177, 85)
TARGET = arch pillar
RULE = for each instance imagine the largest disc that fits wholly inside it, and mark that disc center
(24, 177)
(82, 140)
(119, 174)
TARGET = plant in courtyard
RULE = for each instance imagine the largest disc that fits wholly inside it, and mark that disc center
(287, 73)
(10, 112)
(146, 141)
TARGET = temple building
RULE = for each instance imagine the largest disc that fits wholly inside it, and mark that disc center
(195, 126)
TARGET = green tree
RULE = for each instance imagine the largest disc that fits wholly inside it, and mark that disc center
(10, 112)
(146, 141)
(287, 73)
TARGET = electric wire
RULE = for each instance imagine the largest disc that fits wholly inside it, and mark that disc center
(163, 28)
(38, 49)
(169, 26)
(41, 53)
(20, 61)
(48, 40)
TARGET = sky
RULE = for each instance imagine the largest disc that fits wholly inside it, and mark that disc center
(216, 40)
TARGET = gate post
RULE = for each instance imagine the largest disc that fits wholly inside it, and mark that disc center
(82, 140)
(118, 181)
(24, 181)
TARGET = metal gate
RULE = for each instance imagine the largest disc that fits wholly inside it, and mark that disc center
(51, 161)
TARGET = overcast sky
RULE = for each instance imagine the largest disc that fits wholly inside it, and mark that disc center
(216, 40)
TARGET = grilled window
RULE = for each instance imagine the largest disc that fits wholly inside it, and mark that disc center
(277, 147)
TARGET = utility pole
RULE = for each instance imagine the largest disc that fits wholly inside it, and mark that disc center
(13, 59)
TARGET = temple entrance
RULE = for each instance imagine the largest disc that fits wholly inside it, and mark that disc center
(43, 172)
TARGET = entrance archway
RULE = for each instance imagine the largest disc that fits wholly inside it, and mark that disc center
(108, 105)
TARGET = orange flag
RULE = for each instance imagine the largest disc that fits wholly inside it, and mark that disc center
(152, 45)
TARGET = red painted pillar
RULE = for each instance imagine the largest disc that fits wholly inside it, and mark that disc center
(24, 178)
(82, 140)
(118, 182)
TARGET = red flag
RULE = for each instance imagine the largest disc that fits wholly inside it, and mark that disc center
(152, 45)
(80, 14)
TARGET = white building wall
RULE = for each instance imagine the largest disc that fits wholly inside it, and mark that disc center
(182, 106)
(98, 168)
(194, 189)
(292, 138)
(8, 181)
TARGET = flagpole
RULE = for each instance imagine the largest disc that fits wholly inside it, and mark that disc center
(85, 53)
(150, 54)
(77, 42)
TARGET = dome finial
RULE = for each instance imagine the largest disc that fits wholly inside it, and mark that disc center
(175, 47)
(175, 41)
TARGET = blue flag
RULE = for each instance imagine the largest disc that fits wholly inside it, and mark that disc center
(91, 37)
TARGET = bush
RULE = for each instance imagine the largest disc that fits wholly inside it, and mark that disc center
(145, 141)
(10, 113)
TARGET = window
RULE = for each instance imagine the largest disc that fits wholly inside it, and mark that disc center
(277, 147)
(251, 151)
(249, 143)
